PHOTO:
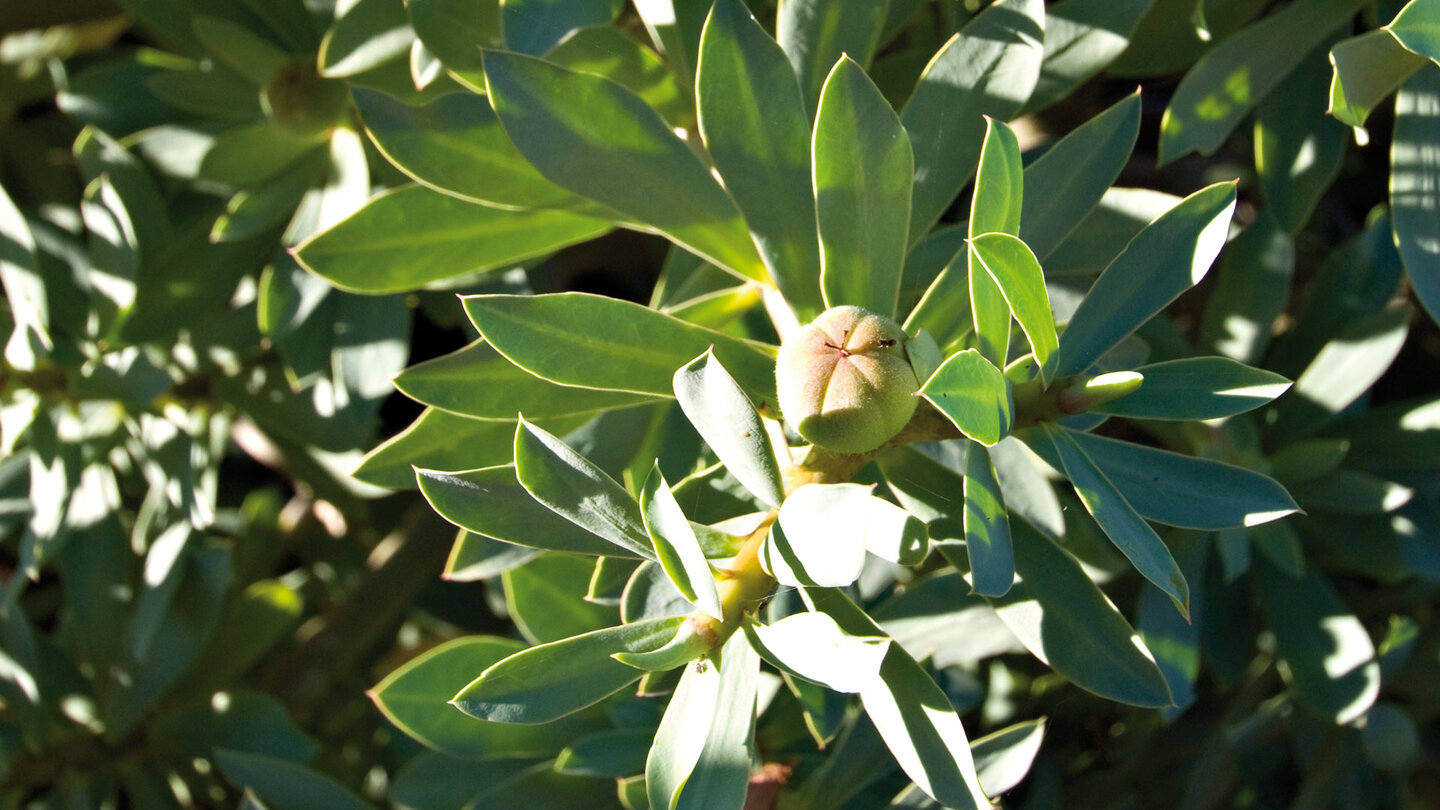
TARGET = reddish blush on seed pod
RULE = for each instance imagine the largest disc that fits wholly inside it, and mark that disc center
(844, 380)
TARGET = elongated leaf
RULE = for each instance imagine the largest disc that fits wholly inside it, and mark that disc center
(609, 52)
(1251, 292)
(1367, 69)
(598, 342)
(1067, 622)
(987, 527)
(820, 536)
(1233, 77)
(1168, 257)
(1415, 179)
(995, 208)
(1002, 758)
(598, 139)
(441, 440)
(535, 26)
(285, 785)
(1415, 27)
(413, 236)
(576, 489)
(721, 777)
(1122, 524)
(812, 646)
(973, 394)
(369, 34)
(912, 714)
(456, 145)
(416, 697)
(549, 681)
(456, 30)
(675, 545)
(1330, 656)
(862, 174)
(545, 598)
(815, 34)
(989, 68)
(1017, 274)
(730, 425)
(1217, 495)
(1082, 37)
(753, 120)
(1069, 180)
(1197, 388)
(1298, 148)
(894, 535)
(24, 289)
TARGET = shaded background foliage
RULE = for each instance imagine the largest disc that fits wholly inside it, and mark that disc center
(198, 592)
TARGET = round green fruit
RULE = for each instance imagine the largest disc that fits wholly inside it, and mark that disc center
(845, 382)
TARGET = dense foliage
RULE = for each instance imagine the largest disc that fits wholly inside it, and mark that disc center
(1121, 488)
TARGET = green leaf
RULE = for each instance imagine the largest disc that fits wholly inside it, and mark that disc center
(1165, 259)
(1197, 388)
(675, 545)
(1401, 436)
(894, 535)
(614, 753)
(1082, 37)
(1415, 27)
(456, 145)
(989, 68)
(609, 52)
(1016, 273)
(1002, 758)
(1345, 368)
(24, 289)
(973, 394)
(594, 341)
(416, 698)
(987, 527)
(284, 785)
(599, 140)
(406, 238)
(862, 175)
(1367, 69)
(755, 127)
(1067, 622)
(1298, 148)
(456, 30)
(820, 536)
(475, 557)
(1251, 292)
(1121, 523)
(1066, 183)
(816, 34)
(995, 208)
(1330, 656)
(730, 425)
(576, 489)
(1233, 77)
(547, 682)
(371, 33)
(1415, 179)
(545, 598)
(240, 49)
(438, 440)
(535, 26)
(479, 382)
(912, 714)
(812, 646)
(1174, 640)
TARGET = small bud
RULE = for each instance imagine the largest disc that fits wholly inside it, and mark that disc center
(845, 382)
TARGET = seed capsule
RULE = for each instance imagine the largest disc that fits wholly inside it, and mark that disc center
(844, 380)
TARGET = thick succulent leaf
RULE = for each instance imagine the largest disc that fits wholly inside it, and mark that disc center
(479, 382)
(595, 341)
(753, 120)
(815, 34)
(1415, 179)
(989, 68)
(730, 425)
(409, 237)
(1062, 617)
(416, 698)
(1121, 523)
(596, 138)
(456, 145)
(1234, 76)
(812, 646)
(1329, 654)
(549, 681)
(579, 491)
(912, 714)
(1017, 274)
(1168, 257)
(863, 169)
(676, 548)
(973, 394)
(1069, 180)
(1197, 388)
(987, 527)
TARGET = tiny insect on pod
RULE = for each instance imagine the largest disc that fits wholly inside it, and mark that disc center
(844, 380)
